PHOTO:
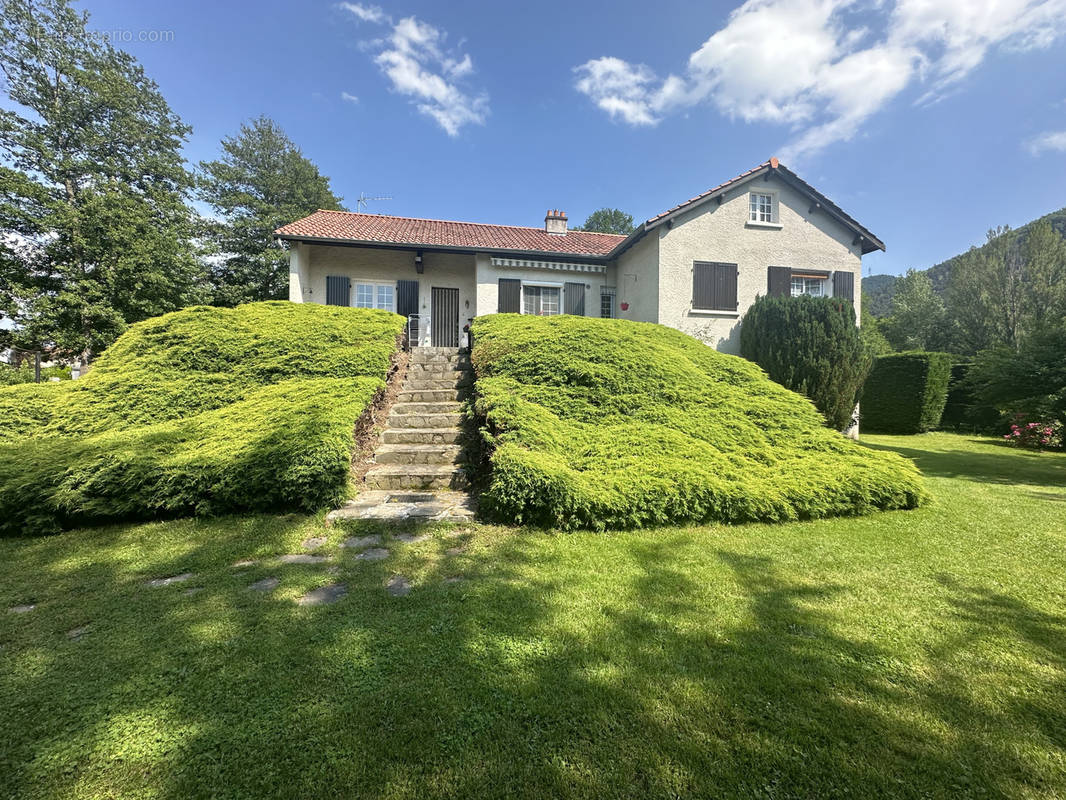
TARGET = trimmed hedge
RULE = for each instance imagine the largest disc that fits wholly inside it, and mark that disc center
(197, 412)
(614, 424)
(906, 392)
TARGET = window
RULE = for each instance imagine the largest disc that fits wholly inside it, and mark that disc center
(542, 301)
(762, 208)
(374, 295)
(812, 286)
(714, 286)
(607, 302)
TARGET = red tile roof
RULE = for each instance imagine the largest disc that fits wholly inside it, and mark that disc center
(378, 228)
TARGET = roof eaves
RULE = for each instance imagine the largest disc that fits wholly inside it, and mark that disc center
(543, 254)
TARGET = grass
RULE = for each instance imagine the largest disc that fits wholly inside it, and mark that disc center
(907, 654)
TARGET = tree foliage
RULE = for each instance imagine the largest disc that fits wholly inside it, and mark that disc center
(919, 319)
(93, 185)
(810, 345)
(608, 220)
(261, 182)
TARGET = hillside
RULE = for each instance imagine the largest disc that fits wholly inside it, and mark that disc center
(880, 289)
(195, 412)
(609, 423)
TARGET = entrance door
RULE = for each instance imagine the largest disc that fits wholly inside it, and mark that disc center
(444, 313)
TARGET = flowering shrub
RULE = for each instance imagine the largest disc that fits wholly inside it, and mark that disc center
(1034, 435)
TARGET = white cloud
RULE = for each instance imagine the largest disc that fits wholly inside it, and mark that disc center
(810, 65)
(414, 58)
(350, 98)
(1052, 140)
(367, 13)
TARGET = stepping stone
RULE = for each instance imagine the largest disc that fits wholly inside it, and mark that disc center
(455, 579)
(172, 579)
(265, 585)
(398, 586)
(373, 554)
(76, 633)
(359, 542)
(23, 609)
(302, 558)
(193, 590)
(411, 538)
(323, 595)
(455, 551)
(313, 542)
(248, 562)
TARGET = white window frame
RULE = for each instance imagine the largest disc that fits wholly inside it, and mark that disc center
(376, 285)
(541, 285)
(755, 217)
(807, 283)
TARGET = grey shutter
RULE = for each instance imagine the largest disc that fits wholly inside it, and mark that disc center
(575, 299)
(779, 281)
(407, 305)
(703, 295)
(725, 286)
(510, 300)
(844, 285)
(714, 286)
(338, 290)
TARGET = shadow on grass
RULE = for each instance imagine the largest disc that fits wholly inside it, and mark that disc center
(510, 685)
(1006, 465)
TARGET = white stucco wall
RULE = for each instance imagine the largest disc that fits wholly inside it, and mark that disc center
(637, 276)
(713, 232)
(488, 277)
(387, 266)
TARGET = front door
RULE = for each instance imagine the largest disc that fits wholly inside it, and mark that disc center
(444, 314)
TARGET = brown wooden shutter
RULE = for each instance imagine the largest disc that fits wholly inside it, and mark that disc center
(779, 281)
(714, 286)
(510, 299)
(844, 285)
(575, 299)
(338, 290)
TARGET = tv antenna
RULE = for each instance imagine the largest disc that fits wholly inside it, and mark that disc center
(363, 201)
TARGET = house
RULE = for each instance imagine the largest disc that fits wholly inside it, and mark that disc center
(696, 267)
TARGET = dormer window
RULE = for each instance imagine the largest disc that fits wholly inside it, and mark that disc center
(761, 208)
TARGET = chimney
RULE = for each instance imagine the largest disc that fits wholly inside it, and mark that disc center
(555, 222)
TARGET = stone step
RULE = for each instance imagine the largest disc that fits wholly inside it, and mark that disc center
(424, 420)
(431, 368)
(415, 476)
(442, 382)
(448, 435)
(417, 454)
(436, 506)
(444, 407)
(434, 351)
(431, 395)
(454, 360)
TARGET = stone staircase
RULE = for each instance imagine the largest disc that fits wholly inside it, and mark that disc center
(420, 446)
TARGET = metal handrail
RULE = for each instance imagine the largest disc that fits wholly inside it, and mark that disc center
(411, 318)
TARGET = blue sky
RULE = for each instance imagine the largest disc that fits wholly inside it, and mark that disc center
(927, 120)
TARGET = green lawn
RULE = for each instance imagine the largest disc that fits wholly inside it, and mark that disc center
(911, 654)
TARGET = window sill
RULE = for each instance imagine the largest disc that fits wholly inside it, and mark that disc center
(772, 225)
(712, 312)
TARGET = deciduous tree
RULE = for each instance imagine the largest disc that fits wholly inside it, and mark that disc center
(93, 185)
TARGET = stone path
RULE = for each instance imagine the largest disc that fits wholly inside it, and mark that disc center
(25, 608)
(155, 582)
(323, 595)
(265, 585)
